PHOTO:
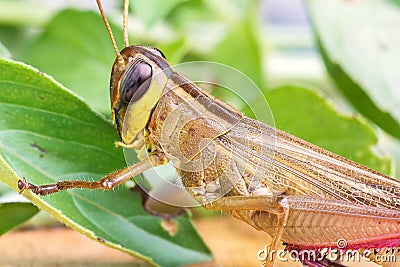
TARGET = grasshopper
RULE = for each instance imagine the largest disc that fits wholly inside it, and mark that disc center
(298, 193)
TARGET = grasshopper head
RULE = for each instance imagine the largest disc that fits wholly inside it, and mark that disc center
(138, 78)
(137, 82)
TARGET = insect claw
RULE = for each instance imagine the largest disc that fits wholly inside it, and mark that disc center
(22, 185)
(121, 144)
(208, 204)
(118, 144)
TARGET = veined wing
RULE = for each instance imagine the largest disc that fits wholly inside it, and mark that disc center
(289, 165)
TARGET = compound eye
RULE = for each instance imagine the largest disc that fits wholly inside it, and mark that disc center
(135, 81)
(157, 51)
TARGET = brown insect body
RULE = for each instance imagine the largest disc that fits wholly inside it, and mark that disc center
(325, 203)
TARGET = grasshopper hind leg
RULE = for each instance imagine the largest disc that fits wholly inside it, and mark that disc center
(261, 203)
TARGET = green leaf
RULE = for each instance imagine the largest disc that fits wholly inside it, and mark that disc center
(23, 12)
(150, 12)
(48, 134)
(240, 48)
(391, 146)
(189, 11)
(174, 51)
(359, 44)
(15, 213)
(76, 50)
(301, 112)
(4, 53)
(4, 189)
(396, 2)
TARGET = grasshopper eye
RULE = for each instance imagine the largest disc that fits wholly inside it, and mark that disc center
(135, 81)
(158, 52)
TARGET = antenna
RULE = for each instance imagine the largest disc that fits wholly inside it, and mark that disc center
(120, 59)
(125, 23)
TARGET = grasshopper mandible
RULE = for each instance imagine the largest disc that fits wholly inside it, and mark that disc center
(298, 193)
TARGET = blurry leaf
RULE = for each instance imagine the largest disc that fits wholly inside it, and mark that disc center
(4, 53)
(396, 2)
(23, 12)
(240, 49)
(13, 214)
(391, 146)
(4, 189)
(189, 11)
(48, 134)
(205, 11)
(235, 9)
(76, 50)
(301, 112)
(359, 42)
(15, 39)
(150, 12)
(175, 50)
